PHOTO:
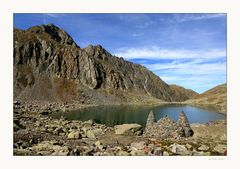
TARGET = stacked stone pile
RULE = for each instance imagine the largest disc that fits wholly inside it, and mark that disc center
(167, 128)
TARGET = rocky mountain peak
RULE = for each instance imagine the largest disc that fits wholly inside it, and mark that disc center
(54, 32)
(97, 51)
(48, 52)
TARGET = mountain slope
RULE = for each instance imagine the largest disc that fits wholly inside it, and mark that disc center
(50, 66)
(217, 97)
(183, 94)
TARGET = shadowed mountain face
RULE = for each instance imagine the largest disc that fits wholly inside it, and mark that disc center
(50, 66)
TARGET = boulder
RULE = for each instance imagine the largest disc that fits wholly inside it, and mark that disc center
(137, 153)
(16, 127)
(128, 129)
(158, 151)
(94, 133)
(179, 149)
(220, 148)
(165, 153)
(123, 153)
(201, 153)
(203, 148)
(189, 146)
(138, 146)
(97, 143)
(60, 151)
(74, 135)
(90, 134)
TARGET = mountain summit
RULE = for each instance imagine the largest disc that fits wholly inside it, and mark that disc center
(49, 65)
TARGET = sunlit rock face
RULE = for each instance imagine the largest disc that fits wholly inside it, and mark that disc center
(49, 65)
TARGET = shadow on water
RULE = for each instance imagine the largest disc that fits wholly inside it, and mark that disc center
(113, 115)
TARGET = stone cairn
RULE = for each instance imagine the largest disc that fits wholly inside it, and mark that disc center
(183, 121)
(166, 128)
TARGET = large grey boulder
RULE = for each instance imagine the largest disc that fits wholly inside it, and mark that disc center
(128, 129)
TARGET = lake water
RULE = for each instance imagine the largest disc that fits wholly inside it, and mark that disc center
(113, 115)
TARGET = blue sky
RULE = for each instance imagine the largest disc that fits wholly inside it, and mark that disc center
(184, 49)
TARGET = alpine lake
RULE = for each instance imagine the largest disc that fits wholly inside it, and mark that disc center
(121, 114)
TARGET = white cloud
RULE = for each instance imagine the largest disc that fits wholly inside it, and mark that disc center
(54, 15)
(197, 70)
(195, 17)
(137, 34)
(193, 74)
(189, 67)
(158, 53)
(51, 15)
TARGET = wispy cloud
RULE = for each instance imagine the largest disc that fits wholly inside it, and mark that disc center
(137, 34)
(51, 15)
(194, 69)
(189, 68)
(196, 17)
(155, 52)
(194, 73)
(54, 15)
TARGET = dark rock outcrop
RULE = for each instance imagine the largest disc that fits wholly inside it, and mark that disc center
(49, 65)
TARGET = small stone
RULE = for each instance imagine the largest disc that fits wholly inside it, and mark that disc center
(74, 135)
(206, 153)
(61, 134)
(97, 132)
(189, 146)
(123, 153)
(197, 153)
(178, 149)
(137, 153)
(203, 148)
(165, 153)
(16, 102)
(60, 151)
(38, 123)
(220, 148)
(158, 151)
(98, 143)
(88, 122)
(90, 134)
(94, 133)
(223, 137)
(87, 150)
(138, 146)
(15, 127)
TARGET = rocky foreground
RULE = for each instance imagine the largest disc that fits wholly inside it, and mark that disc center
(36, 133)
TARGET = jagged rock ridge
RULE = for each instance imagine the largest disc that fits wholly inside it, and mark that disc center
(49, 65)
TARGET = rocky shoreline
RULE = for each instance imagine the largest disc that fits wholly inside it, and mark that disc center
(36, 133)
